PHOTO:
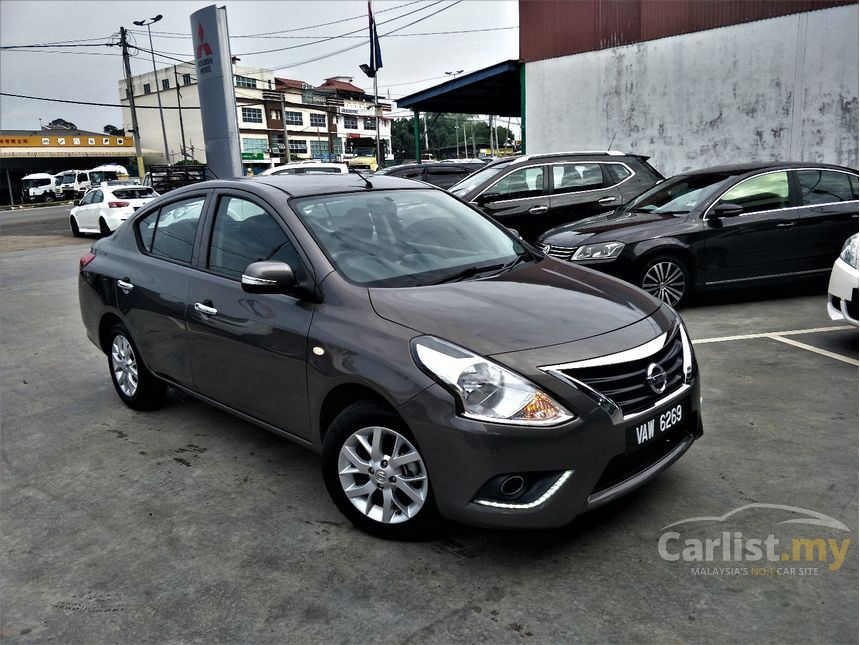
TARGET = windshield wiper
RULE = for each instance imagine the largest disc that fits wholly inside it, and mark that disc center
(468, 272)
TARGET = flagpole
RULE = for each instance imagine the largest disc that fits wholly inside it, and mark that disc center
(379, 160)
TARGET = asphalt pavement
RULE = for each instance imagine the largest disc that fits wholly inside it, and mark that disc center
(188, 525)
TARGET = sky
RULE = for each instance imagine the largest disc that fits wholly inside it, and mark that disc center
(91, 73)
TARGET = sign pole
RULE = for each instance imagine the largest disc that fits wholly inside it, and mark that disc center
(129, 92)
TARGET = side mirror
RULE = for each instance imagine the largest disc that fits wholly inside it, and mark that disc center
(515, 232)
(727, 209)
(269, 277)
(487, 198)
(80, 202)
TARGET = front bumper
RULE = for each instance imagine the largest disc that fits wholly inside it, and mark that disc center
(842, 292)
(581, 464)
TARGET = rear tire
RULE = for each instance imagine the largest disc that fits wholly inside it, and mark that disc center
(667, 278)
(73, 224)
(134, 384)
(390, 500)
(49, 197)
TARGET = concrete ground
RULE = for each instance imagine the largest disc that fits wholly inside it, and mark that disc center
(187, 525)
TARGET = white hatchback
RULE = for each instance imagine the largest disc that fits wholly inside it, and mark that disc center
(103, 209)
(308, 168)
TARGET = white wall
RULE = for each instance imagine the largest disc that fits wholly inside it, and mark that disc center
(784, 88)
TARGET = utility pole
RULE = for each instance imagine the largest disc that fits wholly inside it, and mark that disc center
(147, 23)
(179, 105)
(286, 134)
(129, 92)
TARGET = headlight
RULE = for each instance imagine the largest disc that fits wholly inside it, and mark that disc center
(849, 251)
(486, 391)
(687, 352)
(601, 251)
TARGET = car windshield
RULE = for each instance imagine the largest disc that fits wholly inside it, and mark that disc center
(398, 238)
(69, 179)
(474, 180)
(32, 183)
(679, 195)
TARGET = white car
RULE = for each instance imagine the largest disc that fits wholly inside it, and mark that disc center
(103, 209)
(308, 168)
(842, 293)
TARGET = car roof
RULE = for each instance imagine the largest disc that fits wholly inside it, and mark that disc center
(743, 168)
(573, 153)
(304, 185)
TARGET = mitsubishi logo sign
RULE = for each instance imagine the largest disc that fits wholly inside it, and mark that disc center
(203, 46)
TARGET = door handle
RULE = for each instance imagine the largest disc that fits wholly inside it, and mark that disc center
(206, 310)
(605, 200)
(786, 225)
(537, 210)
(124, 285)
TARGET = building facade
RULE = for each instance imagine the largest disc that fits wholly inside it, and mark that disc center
(693, 83)
(322, 122)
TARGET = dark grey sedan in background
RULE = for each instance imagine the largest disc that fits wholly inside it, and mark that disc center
(442, 368)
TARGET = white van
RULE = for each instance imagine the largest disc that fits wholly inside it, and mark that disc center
(38, 187)
(108, 172)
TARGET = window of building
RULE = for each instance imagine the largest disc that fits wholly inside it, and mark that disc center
(275, 115)
(318, 120)
(254, 144)
(165, 83)
(350, 122)
(293, 118)
(299, 146)
(186, 79)
(147, 88)
(252, 115)
(244, 81)
(278, 142)
(319, 149)
(369, 123)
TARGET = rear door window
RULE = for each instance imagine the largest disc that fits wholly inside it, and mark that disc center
(762, 193)
(825, 187)
(575, 177)
(169, 232)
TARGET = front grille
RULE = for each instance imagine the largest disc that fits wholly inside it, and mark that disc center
(626, 384)
(561, 252)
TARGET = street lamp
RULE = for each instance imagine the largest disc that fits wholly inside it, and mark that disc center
(147, 22)
(455, 74)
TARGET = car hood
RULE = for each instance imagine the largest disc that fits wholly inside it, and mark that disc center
(616, 221)
(534, 305)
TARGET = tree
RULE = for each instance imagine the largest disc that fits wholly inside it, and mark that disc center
(113, 131)
(62, 124)
(445, 135)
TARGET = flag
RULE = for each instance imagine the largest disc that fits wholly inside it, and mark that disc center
(375, 51)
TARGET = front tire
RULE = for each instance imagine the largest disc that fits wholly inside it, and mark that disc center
(134, 384)
(667, 278)
(73, 224)
(49, 197)
(375, 474)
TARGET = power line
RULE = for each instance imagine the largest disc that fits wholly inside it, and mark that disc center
(58, 51)
(45, 45)
(361, 44)
(119, 105)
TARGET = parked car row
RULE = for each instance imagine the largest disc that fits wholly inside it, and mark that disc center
(69, 184)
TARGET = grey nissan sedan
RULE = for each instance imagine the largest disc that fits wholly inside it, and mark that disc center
(442, 367)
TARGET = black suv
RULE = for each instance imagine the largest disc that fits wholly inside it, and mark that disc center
(534, 193)
(444, 174)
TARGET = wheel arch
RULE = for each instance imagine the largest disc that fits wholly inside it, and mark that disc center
(343, 395)
(651, 249)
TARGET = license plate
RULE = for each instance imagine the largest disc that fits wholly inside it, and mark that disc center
(652, 429)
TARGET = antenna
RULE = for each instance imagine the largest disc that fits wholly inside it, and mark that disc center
(367, 183)
(609, 147)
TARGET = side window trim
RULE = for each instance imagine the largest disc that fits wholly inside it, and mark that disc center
(206, 231)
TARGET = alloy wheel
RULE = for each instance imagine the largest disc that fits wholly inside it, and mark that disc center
(665, 280)
(382, 475)
(124, 365)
